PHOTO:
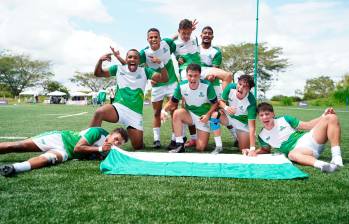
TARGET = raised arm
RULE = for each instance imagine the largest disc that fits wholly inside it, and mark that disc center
(84, 147)
(116, 53)
(217, 73)
(99, 72)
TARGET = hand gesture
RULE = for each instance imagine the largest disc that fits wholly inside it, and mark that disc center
(106, 57)
(116, 53)
(194, 23)
(204, 118)
(230, 110)
(181, 60)
(154, 59)
(106, 146)
(211, 78)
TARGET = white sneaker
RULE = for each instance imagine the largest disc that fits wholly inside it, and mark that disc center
(337, 160)
(217, 150)
(329, 168)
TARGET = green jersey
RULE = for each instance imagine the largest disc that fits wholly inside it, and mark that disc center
(130, 86)
(102, 96)
(245, 108)
(94, 136)
(283, 136)
(167, 47)
(189, 51)
(198, 100)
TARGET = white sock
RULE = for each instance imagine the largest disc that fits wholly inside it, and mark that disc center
(156, 132)
(194, 137)
(336, 151)
(179, 139)
(336, 156)
(173, 137)
(22, 167)
(218, 141)
(325, 167)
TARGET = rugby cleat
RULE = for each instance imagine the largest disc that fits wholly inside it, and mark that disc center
(157, 144)
(178, 149)
(7, 170)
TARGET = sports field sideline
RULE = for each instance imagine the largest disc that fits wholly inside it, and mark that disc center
(76, 191)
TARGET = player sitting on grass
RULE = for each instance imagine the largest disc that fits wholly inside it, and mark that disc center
(59, 146)
(200, 102)
(292, 137)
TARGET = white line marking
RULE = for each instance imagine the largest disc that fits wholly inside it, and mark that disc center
(71, 115)
(314, 109)
(12, 137)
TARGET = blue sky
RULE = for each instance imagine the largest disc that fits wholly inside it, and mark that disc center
(72, 35)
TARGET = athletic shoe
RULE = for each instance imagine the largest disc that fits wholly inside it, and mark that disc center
(179, 148)
(191, 143)
(217, 150)
(337, 160)
(329, 168)
(172, 144)
(7, 170)
(157, 144)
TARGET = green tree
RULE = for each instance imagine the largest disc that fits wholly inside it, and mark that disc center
(240, 58)
(18, 72)
(51, 86)
(89, 80)
(344, 83)
(320, 87)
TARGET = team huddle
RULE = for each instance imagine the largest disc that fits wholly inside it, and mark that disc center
(203, 100)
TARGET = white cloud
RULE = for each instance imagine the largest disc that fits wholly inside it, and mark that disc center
(46, 30)
(313, 34)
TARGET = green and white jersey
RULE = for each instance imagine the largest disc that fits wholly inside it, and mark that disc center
(283, 136)
(197, 100)
(130, 86)
(210, 57)
(167, 47)
(102, 96)
(245, 108)
(94, 136)
(189, 51)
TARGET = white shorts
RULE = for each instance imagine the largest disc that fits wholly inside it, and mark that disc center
(238, 125)
(308, 141)
(128, 117)
(198, 124)
(51, 141)
(160, 92)
(218, 90)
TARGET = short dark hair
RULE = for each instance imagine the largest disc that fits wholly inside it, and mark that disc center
(207, 28)
(193, 67)
(264, 106)
(133, 50)
(122, 132)
(248, 79)
(153, 30)
(185, 24)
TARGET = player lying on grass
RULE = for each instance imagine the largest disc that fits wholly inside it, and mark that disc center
(200, 102)
(59, 146)
(301, 141)
(127, 108)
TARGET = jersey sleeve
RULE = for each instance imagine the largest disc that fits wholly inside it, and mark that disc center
(177, 93)
(113, 70)
(226, 91)
(252, 108)
(263, 144)
(211, 94)
(170, 43)
(149, 72)
(142, 57)
(294, 122)
(92, 135)
(217, 59)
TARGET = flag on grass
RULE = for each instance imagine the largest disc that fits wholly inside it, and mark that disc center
(268, 166)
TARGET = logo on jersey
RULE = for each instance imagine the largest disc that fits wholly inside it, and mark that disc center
(185, 94)
(165, 50)
(268, 138)
(201, 94)
(241, 107)
(138, 76)
(121, 73)
(282, 128)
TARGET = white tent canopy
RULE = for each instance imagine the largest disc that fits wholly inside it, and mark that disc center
(29, 93)
(56, 93)
(79, 94)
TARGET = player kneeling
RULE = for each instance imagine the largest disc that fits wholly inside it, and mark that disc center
(59, 146)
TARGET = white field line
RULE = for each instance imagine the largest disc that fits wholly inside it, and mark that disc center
(293, 108)
(12, 137)
(72, 115)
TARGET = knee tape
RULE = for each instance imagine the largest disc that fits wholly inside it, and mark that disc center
(51, 157)
(214, 124)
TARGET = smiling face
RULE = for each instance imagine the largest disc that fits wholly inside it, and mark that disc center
(207, 36)
(185, 34)
(115, 139)
(242, 89)
(154, 40)
(193, 77)
(132, 60)
(267, 119)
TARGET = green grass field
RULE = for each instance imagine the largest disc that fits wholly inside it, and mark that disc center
(76, 191)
